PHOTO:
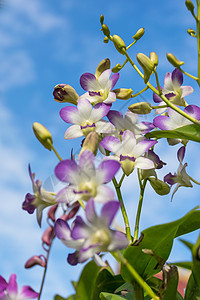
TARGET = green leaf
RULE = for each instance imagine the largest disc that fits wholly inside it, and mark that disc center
(187, 244)
(158, 239)
(183, 264)
(159, 186)
(72, 297)
(196, 261)
(86, 281)
(188, 132)
(192, 290)
(109, 296)
(106, 282)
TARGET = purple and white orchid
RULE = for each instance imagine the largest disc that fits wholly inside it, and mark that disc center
(93, 237)
(128, 122)
(99, 89)
(173, 90)
(40, 200)
(128, 152)
(175, 120)
(181, 178)
(86, 181)
(86, 118)
(9, 290)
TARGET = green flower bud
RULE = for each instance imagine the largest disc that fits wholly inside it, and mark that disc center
(174, 61)
(119, 44)
(106, 40)
(101, 19)
(154, 58)
(191, 32)
(141, 108)
(146, 64)
(102, 66)
(91, 143)
(105, 30)
(190, 6)
(117, 68)
(65, 93)
(138, 34)
(159, 186)
(123, 94)
(43, 135)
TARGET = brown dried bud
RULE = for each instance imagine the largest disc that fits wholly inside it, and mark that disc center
(65, 93)
(52, 211)
(123, 94)
(35, 260)
(47, 236)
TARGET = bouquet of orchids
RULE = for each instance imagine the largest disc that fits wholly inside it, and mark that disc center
(123, 145)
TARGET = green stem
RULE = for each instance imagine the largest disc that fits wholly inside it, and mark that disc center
(123, 209)
(56, 153)
(198, 38)
(161, 106)
(189, 75)
(157, 81)
(139, 209)
(138, 292)
(142, 91)
(174, 107)
(131, 45)
(137, 277)
(192, 179)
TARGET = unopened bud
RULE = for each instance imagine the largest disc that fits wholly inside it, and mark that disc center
(141, 108)
(65, 93)
(119, 44)
(101, 19)
(160, 187)
(117, 68)
(35, 260)
(43, 135)
(191, 32)
(91, 143)
(146, 64)
(102, 66)
(123, 94)
(105, 30)
(52, 211)
(174, 61)
(190, 6)
(47, 236)
(138, 34)
(154, 58)
(106, 40)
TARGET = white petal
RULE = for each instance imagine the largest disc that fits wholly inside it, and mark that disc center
(73, 132)
(144, 163)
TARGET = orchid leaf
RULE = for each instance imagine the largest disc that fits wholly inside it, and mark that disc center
(188, 132)
(183, 264)
(192, 290)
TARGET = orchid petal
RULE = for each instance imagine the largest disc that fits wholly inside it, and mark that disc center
(80, 229)
(70, 114)
(104, 79)
(144, 163)
(85, 108)
(142, 147)
(73, 132)
(181, 154)
(28, 293)
(107, 170)
(109, 211)
(89, 82)
(90, 211)
(12, 285)
(114, 78)
(111, 143)
(99, 111)
(119, 241)
(68, 171)
(193, 111)
(104, 126)
(177, 78)
(186, 90)
(111, 98)
(3, 284)
(104, 194)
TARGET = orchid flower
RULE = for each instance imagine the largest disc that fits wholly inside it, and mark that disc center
(173, 90)
(99, 89)
(181, 178)
(175, 120)
(93, 237)
(128, 152)
(40, 200)
(86, 118)
(128, 122)
(86, 181)
(9, 291)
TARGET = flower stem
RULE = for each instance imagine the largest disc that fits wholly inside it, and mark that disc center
(157, 81)
(123, 209)
(139, 209)
(192, 179)
(174, 107)
(137, 94)
(45, 269)
(137, 278)
(189, 75)
(198, 38)
(56, 153)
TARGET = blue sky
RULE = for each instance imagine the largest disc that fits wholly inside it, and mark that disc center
(43, 44)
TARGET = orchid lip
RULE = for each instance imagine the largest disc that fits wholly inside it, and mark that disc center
(95, 94)
(124, 157)
(88, 125)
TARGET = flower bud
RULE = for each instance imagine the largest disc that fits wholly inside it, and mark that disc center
(106, 40)
(117, 68)
(146, 64)
(123, 94)
(190, 6)
(191, 32)
(138, 34)
(65, 93)
(119, 44)
(91, 143)
(52, 211)
(105, 30)
(43, 135)
(154, 58)
(47, 236)
(160, 187)
(101, 19)
(174, 61)
(34, 261)
(141, 108)
(102, 66)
